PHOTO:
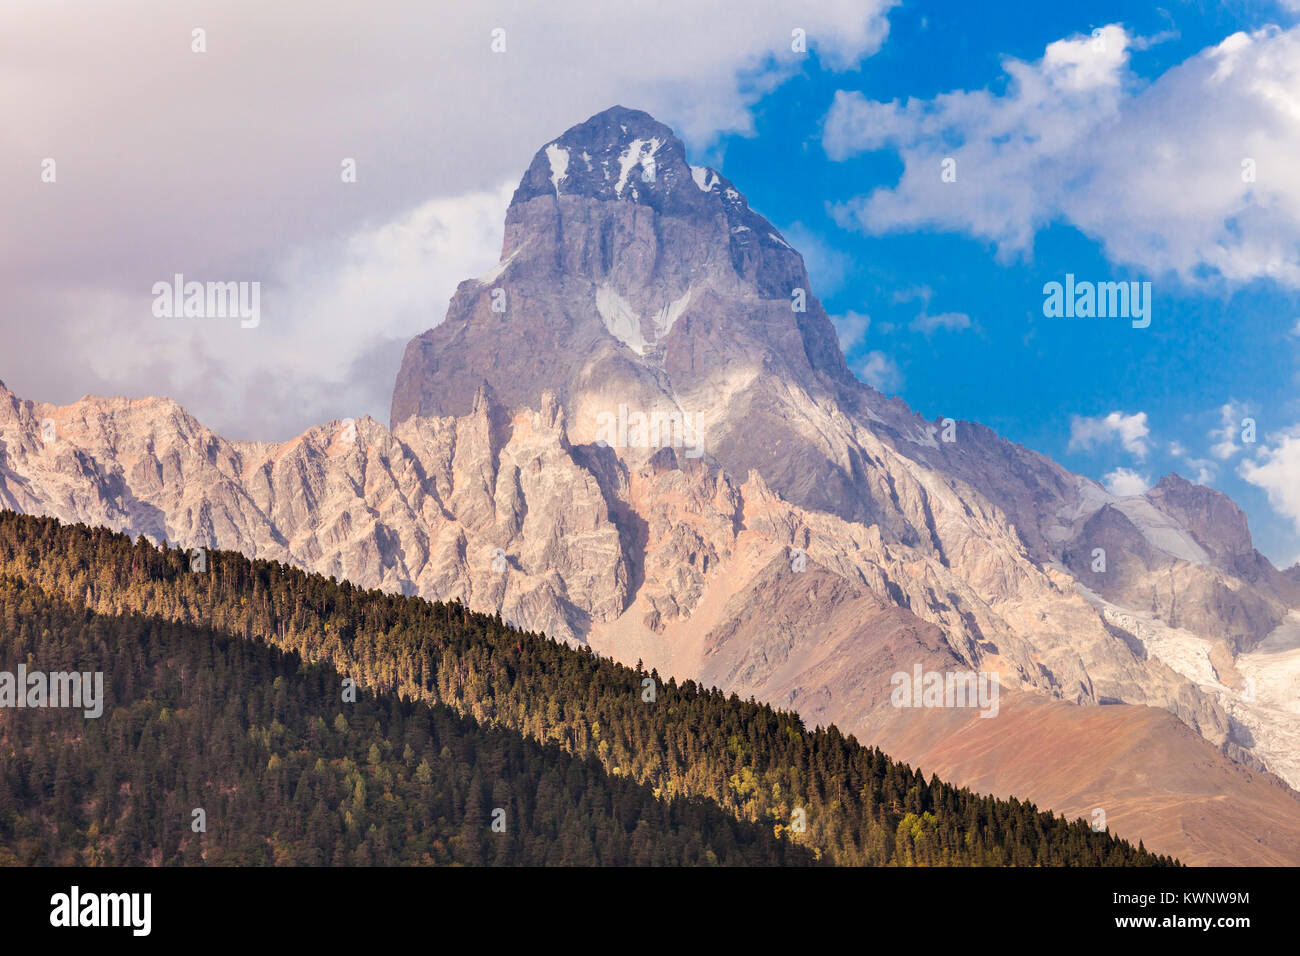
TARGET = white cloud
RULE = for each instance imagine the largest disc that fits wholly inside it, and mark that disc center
(1158, 173)
(1125, 482)
(226, 166)
(1206, 470)
(922, 292)
(1203, 470)
(1226, 435)
(851, 327)
(1131, 431)
(1277, 471)
(881, 372)
(950, 321)
(335, 317)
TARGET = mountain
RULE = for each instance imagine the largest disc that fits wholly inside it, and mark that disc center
(630, 277)
(514, 749)
(638, 433)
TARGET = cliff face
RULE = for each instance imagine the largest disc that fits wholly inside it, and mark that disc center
(639, 432)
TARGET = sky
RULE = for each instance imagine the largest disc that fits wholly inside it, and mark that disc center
(938, 164)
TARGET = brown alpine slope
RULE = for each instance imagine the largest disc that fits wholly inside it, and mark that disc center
(1155, 779)
(813, 643)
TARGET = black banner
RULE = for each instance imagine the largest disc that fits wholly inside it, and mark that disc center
(149, 907)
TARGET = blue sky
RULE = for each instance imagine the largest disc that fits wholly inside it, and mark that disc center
(1219, 349)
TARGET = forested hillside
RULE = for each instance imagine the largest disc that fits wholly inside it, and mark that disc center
(285, 772)
(470, 715)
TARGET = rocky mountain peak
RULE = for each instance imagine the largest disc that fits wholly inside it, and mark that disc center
(1210, 516)
(618, 154)
(624, 155)
(587, 198)
(628, 278)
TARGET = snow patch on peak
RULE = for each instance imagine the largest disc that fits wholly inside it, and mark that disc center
(1160, 530)
(620, 319)
(497, 271)
(704, 177)
(640, 152)
(924, 436)
(624, 323)
(1089, 496)
(559, 159)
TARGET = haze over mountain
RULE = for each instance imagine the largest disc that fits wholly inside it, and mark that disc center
(639, 432)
